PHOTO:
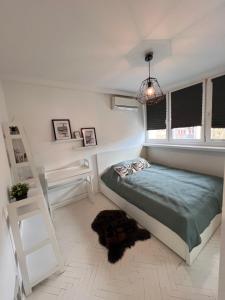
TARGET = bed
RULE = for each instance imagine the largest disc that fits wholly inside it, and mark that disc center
(180, 208)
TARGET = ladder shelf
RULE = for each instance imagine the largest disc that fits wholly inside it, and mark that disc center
(31, 226)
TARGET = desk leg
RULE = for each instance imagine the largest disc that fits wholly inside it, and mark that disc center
(90, 189)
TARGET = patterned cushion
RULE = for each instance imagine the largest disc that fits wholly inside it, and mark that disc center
(140, 164)
(124, 170)
(129, 167)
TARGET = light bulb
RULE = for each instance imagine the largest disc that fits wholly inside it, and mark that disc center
(150, 91)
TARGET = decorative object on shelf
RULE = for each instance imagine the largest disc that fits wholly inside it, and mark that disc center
(19, 191)
(150, 91)
(19, 151)
(14, 130)
(76, 134)
(89, 136)
(62, 129)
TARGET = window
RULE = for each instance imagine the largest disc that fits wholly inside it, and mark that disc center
(218, 108)
(156, 120)
(186, 112)
(194, 114)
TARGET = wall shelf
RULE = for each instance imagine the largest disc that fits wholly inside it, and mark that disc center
(85, 148)
(67, 141)
(78, 148)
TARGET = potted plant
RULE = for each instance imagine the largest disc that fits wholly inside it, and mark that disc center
(19, 191)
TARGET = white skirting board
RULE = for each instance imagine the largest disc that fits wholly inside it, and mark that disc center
(160, 231)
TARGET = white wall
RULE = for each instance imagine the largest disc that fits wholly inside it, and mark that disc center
(208, 162)
(7, 263)
(37, 105)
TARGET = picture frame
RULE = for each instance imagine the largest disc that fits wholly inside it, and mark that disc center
(76, 134)
(14, 130)
(62, 129)
(89, 136)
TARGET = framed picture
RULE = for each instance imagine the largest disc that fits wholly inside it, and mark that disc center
(76, 134)
(14, 130)
(62, 129)
(89, 136)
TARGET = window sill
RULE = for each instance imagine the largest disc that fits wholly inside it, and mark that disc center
(187, 147)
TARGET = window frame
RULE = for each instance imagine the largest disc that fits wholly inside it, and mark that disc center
(205, 140)
(208, 123)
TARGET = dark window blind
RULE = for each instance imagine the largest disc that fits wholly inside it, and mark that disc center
(156, 115)
(218, 102)
(186, 107)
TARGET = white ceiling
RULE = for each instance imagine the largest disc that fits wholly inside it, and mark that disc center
(101, 43)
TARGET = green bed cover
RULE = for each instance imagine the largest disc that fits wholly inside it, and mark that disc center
(184, 201)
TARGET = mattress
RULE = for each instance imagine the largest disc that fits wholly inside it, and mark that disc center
(184, 201)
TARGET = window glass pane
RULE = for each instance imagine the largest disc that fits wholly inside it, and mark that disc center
(186, 107)
(156, 115)
(218, 108)
(218, 133)
(187, 133)
(159, 134)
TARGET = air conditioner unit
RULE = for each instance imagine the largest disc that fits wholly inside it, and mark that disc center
(124, 103)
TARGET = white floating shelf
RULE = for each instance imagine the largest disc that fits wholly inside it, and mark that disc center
(67, 141)
(84, 148)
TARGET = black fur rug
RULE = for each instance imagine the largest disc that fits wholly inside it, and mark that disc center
(117, 232)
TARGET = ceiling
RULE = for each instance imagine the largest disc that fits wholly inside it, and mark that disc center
(101, 43)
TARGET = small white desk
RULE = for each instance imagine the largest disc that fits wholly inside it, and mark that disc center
(64, 180)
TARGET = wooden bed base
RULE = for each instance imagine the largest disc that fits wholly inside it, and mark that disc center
(159, 230)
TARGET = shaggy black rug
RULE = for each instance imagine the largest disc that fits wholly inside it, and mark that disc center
(117, 232)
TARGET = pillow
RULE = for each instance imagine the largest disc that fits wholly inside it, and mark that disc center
(140, 164)
(124, 169)
(130, 167)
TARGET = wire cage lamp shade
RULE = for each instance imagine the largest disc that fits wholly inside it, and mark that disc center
(150, 91)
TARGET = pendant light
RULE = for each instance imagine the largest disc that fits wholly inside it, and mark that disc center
(150, 91)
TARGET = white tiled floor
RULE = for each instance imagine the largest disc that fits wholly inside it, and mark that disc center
(148, 271)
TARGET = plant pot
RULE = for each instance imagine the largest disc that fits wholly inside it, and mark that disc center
(21, 197)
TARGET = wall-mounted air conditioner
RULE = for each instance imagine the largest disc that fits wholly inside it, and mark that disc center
(124, 103)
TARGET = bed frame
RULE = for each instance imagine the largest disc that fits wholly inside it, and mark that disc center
(159, 230)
